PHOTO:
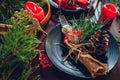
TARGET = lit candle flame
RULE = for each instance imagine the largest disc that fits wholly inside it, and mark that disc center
(35, 8)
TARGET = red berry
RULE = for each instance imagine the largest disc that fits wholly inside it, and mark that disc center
(75, 32)
(79, 32)
(65, 39)
(68, 35)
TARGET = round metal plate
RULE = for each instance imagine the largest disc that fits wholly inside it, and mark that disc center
(56, 53)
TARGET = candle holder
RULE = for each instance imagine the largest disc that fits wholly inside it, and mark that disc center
(47, 9)
(41, 13)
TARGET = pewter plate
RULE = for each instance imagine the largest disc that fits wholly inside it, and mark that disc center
(56, 53)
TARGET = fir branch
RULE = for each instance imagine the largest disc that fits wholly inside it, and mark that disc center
(87, 26)
(17, 47)
(3, 62)
(16, 42)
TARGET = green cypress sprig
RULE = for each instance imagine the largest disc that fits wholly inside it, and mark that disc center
(19, 44)
(86, 26)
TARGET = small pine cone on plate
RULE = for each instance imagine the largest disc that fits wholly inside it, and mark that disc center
(99, 40)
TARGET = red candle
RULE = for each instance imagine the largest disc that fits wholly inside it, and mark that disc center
(108, 13)
(36, 10)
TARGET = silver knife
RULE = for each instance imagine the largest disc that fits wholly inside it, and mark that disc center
(63, 21)
(65, 25)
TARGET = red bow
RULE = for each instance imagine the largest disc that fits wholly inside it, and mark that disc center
(69, 5)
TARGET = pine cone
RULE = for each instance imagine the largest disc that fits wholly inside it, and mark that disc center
(99, 41)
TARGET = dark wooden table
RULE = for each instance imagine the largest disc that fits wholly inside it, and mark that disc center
(52, 73)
